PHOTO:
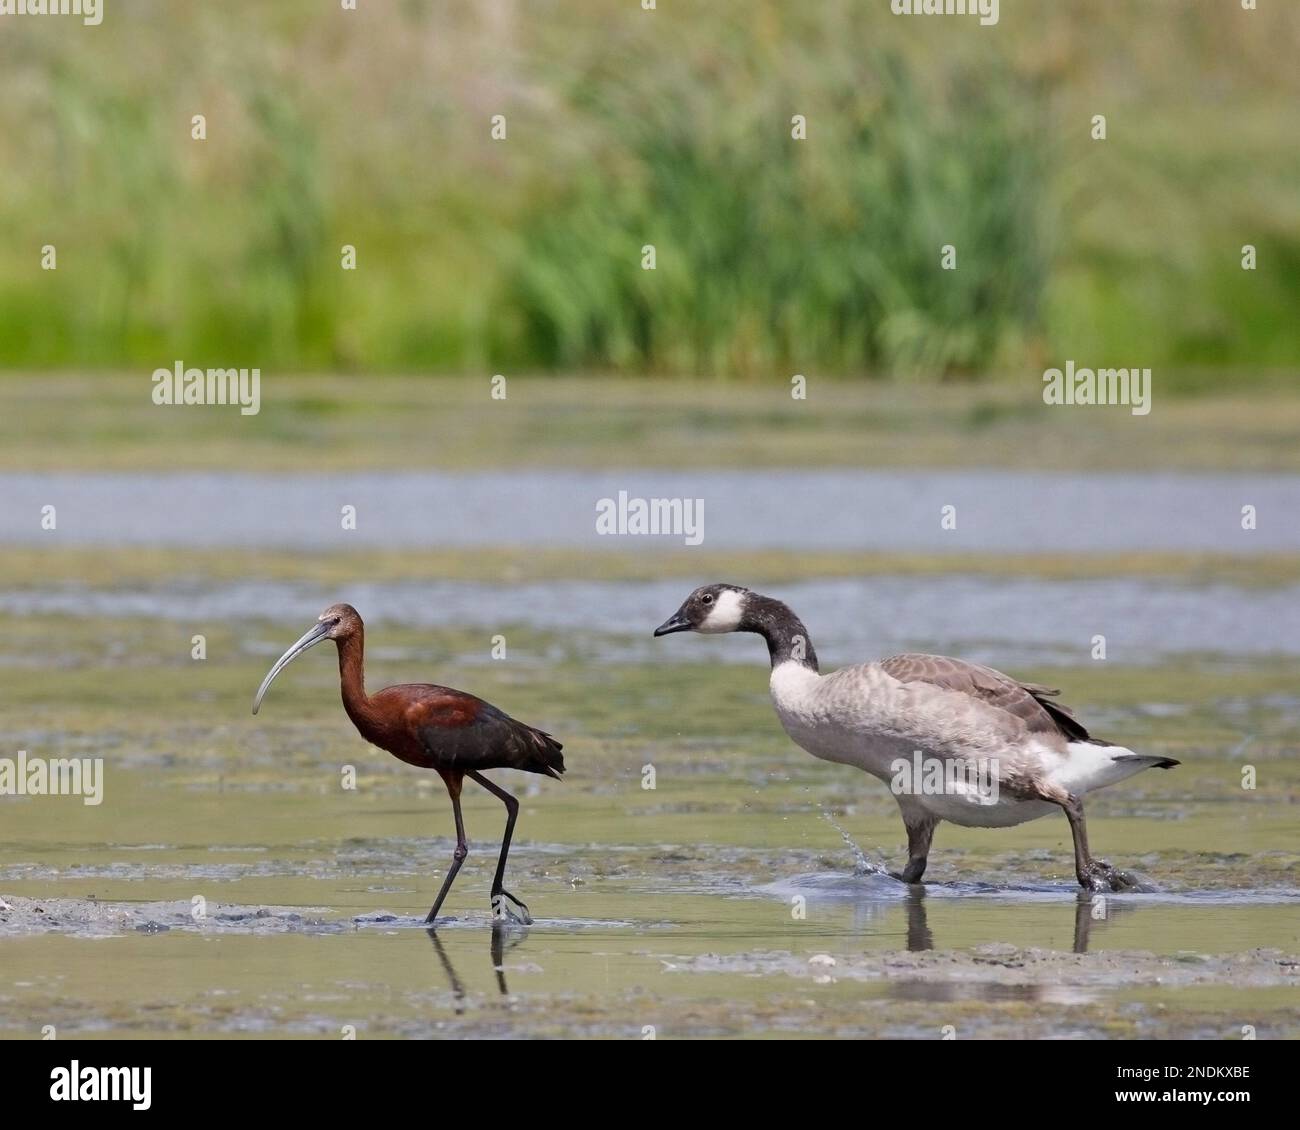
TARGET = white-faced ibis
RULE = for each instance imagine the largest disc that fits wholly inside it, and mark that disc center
(434, 728)
(956, 741)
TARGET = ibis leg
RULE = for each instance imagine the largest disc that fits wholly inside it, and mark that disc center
(457, 989)
(499, 955)
(458, 856)
(512, 812)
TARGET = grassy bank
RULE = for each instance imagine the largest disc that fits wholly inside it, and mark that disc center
(625, 128)
(107, 567)
(306, 424)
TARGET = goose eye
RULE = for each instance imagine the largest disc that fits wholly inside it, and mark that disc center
(708, 598)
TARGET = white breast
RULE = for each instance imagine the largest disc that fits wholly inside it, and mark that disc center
(837, 719)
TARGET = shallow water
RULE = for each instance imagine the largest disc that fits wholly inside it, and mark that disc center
(1002, 620)
(1001, 511)
(230, 885)
(743, 895)
(674, 965)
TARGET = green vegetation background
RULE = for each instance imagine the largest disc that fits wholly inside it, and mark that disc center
(671, 127)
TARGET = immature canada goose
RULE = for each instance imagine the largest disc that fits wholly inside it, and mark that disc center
(935, 728)
(436, 728)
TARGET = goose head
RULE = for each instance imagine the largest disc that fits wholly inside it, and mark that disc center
(710, 609)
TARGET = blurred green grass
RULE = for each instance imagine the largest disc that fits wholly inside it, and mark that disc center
(105, 421)
(671, 128)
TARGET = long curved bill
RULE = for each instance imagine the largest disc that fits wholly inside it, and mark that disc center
(310, 639)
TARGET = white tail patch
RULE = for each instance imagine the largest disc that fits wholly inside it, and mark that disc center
(1090, 767)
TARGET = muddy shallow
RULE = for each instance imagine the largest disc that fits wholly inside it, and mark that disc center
(912, 966)
(231, 884)
(326, 939)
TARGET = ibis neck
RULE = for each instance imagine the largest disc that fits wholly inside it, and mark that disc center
(787, 638)
(352, 676)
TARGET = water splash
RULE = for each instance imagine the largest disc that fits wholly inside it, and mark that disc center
(861, 864)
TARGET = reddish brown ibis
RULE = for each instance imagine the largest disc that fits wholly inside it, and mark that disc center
(434, 728)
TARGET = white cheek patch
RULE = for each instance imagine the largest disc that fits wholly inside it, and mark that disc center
(726, 613)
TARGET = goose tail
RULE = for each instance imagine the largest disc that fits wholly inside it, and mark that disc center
(1091, 765)
(1147, 760)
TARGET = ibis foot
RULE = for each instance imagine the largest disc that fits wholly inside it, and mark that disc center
(502, 913)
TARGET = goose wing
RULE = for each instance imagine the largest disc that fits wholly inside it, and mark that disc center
(1029, 702)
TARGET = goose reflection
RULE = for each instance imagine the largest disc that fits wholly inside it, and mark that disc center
(1090, 911)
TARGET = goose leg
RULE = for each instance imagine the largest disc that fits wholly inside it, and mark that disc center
(499, 910)
(1082, 922)
(919, 937)
(1093, 874)
(920, 834)
(457, 857)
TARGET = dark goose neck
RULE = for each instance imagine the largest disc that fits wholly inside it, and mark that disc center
(787, 638)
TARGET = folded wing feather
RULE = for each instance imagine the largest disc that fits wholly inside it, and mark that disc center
(1028, 702)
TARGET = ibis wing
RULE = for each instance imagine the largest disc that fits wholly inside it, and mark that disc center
(1029, 702)
(463, 732)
